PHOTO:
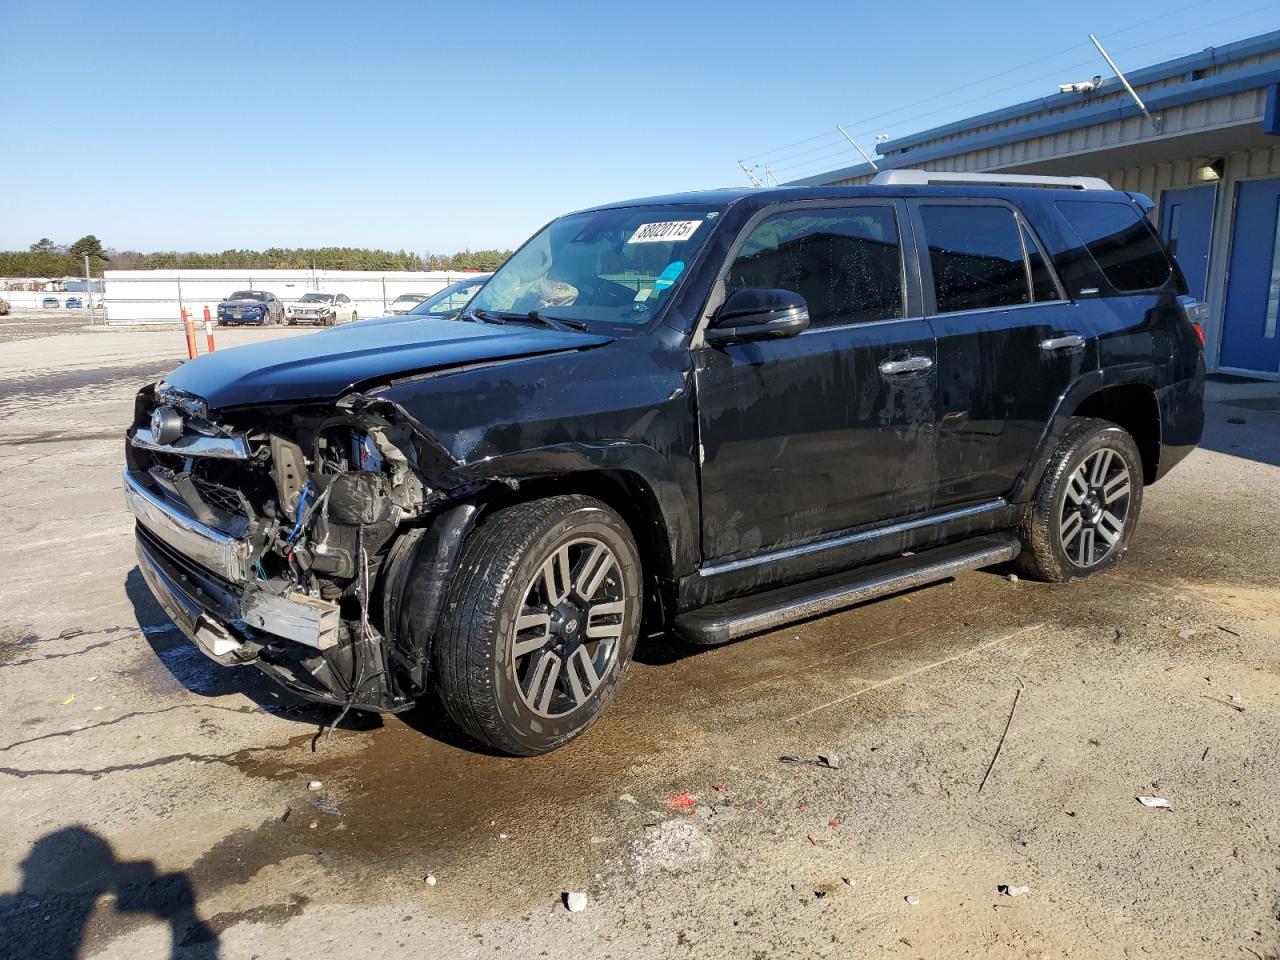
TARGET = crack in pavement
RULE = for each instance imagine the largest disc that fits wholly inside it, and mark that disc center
(127, 716)
(228, 759)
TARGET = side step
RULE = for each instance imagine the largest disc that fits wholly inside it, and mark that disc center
(741, 616)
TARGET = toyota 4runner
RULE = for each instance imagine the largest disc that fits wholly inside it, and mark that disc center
(713, 412)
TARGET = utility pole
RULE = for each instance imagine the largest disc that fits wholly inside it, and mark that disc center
(865, 156)
(755, 181)
(88, 289)
(1155, 121)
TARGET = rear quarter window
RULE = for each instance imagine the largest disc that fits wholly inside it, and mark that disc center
(1120, 241)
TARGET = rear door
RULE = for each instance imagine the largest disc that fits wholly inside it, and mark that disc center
(832, 428)
(1009, 343)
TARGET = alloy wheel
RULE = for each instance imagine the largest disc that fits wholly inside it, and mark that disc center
(566, 637)
(1095, 507)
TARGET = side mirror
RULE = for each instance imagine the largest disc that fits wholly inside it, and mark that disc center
(758, 313)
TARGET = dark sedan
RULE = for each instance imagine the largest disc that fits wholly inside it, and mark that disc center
(250, 306)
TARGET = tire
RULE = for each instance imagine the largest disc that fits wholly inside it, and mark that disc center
(502, 600)
(1087, 504)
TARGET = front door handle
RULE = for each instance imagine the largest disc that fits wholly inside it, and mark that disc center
(1069, 342)
(896, 368)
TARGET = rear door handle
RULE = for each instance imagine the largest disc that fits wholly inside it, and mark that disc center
(1069, 342)
(896, 368)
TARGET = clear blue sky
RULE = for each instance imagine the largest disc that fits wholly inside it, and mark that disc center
(434, 126)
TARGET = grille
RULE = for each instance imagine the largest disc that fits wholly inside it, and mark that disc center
(224, 498)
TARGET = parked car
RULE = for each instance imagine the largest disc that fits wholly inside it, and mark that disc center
(74, 303)
(50, 303)
(4, 307)
(404, 303)
(712, 412)
(250, 306)
(326, 309)
(450, 301)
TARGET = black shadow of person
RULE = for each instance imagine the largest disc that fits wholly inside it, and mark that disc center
(64, 876)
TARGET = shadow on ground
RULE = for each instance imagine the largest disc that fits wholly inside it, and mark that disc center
(66, 873)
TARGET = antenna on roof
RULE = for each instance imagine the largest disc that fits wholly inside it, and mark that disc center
(1155, 121)
(865, 155)
(755, 181)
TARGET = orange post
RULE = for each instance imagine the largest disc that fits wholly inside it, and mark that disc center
(208, 329)
(191, 334)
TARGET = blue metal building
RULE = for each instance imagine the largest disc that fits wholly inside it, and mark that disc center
(1211, 161)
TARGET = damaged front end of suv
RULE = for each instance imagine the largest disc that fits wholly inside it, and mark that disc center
(282, 536)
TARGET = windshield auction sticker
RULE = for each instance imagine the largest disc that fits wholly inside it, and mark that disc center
(665, 232)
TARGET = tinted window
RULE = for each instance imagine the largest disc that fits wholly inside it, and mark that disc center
(976, 255)
(1120, 241)
(846, 263)
(1042, 284)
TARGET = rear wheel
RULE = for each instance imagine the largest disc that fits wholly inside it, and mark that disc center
(540, 623)
(1086, 506)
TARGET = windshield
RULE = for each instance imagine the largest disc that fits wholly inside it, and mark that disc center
(316, 298)
(606, 267)
(246, 295)
(450, 300)
(409, 298)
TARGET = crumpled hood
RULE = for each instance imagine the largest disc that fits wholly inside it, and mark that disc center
(327, 364)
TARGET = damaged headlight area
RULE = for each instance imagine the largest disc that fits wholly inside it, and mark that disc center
(264, 534)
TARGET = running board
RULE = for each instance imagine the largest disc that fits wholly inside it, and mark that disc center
(741, 616)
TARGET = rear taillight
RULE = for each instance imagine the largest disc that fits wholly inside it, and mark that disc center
(1196, 313)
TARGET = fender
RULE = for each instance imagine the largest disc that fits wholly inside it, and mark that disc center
(672, 495)
(1083, 387)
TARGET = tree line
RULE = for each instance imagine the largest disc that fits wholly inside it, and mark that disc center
(48, 259)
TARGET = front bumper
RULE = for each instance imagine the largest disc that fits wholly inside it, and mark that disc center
(199, 577)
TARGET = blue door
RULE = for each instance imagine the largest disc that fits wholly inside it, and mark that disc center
(1249, 331)
(1186, 223)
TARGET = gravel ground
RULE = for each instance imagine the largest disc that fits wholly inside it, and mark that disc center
(157, 804)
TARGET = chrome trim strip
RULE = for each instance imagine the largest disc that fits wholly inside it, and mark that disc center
(223, 555)
(791, 552)
(847, 596)
(219, 448)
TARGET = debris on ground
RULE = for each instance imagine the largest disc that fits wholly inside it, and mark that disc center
(576, 901)
(1158, 802)
(912, 899)
(70, 700)
(284, 817)
(315, 785)
(1237, 707)
(313, 824)
(1013, 578)
(324, 803)
(1010, 890)
(684, 800)
(1235, 698)
(1234, 633)
(429, 879)
(830, 761)
(1000, 745)
(1186, 634)
(627, 798)
(672, 845)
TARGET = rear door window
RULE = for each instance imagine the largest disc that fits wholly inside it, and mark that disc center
(1121, 242)
(846, 262)
(976, 256)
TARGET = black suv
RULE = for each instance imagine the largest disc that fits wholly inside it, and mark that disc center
(712, 412)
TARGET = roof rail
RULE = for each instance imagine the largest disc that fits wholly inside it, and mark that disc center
(924, 178)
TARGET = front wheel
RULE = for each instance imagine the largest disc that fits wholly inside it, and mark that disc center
(540, 623)
(1086, 505)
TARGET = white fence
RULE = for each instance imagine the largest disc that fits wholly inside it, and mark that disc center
(159, 296)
